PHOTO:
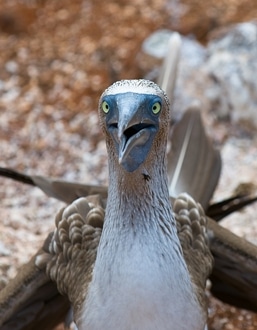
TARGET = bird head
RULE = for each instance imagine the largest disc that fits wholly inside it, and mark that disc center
(133, 113)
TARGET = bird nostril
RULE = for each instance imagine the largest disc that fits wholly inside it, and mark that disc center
(115, 125)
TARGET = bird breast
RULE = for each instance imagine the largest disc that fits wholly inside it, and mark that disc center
(145, 288)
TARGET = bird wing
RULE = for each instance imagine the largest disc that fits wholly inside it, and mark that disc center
(192, 231)
(65, 191)
(31, 301)
(194, 164)
(235, 268)
(69, 255)
(168, 72)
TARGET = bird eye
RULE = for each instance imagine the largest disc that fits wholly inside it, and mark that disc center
(105, 107)
(156, 108)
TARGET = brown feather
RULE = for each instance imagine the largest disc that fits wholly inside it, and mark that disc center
(30, 301)
(234, 277)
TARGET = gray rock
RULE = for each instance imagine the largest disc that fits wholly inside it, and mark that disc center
(232, 67)
(222, 76)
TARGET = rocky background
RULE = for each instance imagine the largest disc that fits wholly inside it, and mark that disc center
(56, 58)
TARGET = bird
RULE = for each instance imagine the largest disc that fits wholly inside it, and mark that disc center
(29, 303)
(140, 273)
(140, 279)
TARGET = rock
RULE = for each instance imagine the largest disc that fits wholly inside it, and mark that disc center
(222, 76)
(232, 66)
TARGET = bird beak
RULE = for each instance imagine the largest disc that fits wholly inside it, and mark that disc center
(136, 131)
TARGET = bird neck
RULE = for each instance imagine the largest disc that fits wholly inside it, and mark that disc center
(139, 196)
(138, 204)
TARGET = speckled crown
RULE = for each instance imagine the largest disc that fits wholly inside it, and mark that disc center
(141, 86)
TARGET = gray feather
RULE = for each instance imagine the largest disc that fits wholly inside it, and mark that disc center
(194, 164)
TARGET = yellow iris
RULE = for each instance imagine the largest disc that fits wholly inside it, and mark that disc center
(105, 107)
(156, 108)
